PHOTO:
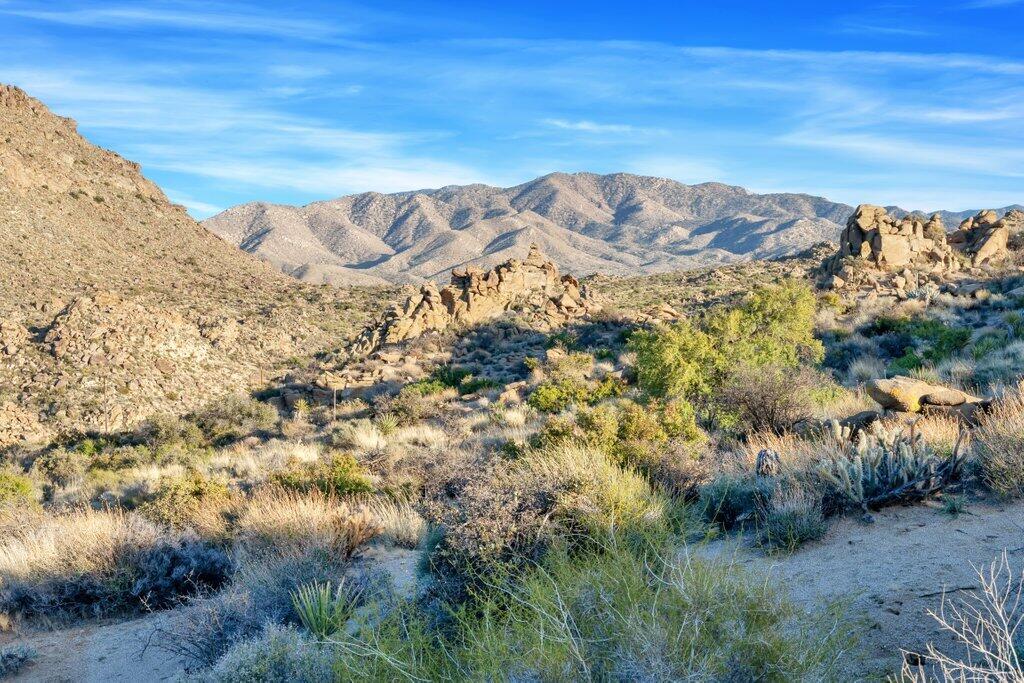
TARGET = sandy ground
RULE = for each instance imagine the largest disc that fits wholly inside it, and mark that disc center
(98, 653)
(893, 571)
(128, 650)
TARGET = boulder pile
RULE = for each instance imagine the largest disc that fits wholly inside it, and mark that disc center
(533, 288)
(879, 252)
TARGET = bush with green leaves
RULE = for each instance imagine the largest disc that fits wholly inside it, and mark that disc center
(772, 326)
(564, 493)
(280, 654)
(620, 614)
(341, 475)
(731, 499)
(792, 518)
(179, 500)
(16, 489)
(999, 445)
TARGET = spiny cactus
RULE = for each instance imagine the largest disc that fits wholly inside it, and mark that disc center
(876, 471)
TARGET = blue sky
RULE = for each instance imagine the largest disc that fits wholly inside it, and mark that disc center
(913, 103)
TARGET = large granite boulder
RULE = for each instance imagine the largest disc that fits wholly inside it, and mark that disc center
(909, 395)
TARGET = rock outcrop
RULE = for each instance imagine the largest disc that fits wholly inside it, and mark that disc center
(909, 395)
(983, 237)
(533, 288)
(882, 253)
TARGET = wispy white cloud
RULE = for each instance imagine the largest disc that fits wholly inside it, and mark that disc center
(182, 15)
(197, 208)
(985, 4)
(589, 126)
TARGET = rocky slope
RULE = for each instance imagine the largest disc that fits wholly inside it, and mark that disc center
(614, 224)
(114, 303)
(617, 224)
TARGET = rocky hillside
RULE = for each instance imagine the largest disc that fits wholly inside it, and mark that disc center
(617, 224)
(114, 303)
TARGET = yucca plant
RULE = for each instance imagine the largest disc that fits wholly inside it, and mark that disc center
(387, 423)
(323, 611)
(876, 472)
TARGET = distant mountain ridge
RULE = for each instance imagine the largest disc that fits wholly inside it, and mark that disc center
(617, 224)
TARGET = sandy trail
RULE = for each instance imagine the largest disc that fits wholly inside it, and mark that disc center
(893, 571)
(107, 652)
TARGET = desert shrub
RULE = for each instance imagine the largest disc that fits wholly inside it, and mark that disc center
(412, 404)
(560, 394)
(554, 397)
(613, 615)
(118, 458)
(675, 360)
(400, 524)
(916, 340)
(60, 467)
(96, 563)
(15, 657)
(278, 655)
(425, 387)
(565, 493)
(339, 476)
(170, 433)
(730, 499)
(999, 445)
(769, 398)
(16, 489)
(234, 417)
(190, 501)
(793, 517)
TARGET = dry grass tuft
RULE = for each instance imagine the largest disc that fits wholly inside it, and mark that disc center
(999, 444)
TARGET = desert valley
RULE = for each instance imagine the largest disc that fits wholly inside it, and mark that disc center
(589, 427)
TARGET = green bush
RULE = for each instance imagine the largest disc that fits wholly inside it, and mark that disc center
(617, 615)
(60, 467)
(16, 489)
(734, 498)
(937, 340)
(340, 476)
(235, 417)
(773, 326)
(178, 501)
(793, 518)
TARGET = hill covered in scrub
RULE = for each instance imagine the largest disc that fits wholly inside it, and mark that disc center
(114, 303)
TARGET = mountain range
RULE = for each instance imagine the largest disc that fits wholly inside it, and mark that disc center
(617, 224)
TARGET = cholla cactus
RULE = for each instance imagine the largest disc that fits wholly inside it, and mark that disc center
(876, 471)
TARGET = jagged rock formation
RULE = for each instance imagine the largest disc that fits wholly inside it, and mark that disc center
(114, 303)
(533, 287)
(909, 395)
(878, 251)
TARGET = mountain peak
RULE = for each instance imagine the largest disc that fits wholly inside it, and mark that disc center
(617, 223)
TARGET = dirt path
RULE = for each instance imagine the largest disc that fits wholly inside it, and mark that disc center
(894, 571)
(100, 653)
